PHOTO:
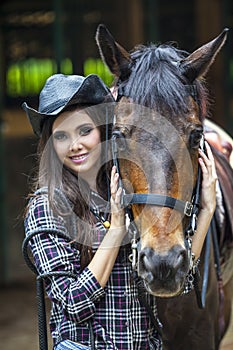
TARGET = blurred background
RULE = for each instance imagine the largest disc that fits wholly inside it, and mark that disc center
(42, 37)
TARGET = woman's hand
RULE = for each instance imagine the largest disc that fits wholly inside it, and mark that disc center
(208, 200)
(209, 179)
(117, 212)
(104, 259)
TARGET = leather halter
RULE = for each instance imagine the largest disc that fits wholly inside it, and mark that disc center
(187, 208)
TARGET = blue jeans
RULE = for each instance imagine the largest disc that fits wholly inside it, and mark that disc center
(70, 345)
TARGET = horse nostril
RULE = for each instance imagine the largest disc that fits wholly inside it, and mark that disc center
(144, 267)
(149, 277)
(147, 256)
(180, 259)
(142, 257)
(143, 261)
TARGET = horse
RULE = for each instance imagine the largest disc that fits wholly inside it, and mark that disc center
(162, 104)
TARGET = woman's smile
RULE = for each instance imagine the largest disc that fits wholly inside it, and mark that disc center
(78, 159)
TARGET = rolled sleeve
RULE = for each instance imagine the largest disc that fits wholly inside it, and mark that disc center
(76, 297)
(93, 290)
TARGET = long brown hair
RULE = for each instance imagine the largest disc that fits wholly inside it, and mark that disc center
(54, 175)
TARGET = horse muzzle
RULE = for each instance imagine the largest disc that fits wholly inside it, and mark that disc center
(163, 274)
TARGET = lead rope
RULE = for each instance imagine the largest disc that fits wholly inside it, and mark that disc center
(219, 278)
(40, 292)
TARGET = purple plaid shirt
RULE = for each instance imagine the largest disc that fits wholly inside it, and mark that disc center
(119, 321)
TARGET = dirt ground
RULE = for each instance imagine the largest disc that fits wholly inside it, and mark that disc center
(18, 319)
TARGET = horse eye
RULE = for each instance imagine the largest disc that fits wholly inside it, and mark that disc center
(195, 138)
(120, 139)
(121, 142)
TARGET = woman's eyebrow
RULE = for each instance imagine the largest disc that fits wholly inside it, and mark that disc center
(77, 128)
(84, 125)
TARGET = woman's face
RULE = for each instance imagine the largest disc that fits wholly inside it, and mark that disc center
(77, 142)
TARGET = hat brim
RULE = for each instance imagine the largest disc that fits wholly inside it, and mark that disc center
(92, 91)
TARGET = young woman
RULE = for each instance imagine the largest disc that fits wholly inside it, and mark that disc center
(75, 242)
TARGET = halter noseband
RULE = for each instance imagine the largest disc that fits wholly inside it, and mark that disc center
(159, 200)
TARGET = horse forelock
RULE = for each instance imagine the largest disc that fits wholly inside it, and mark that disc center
(155, 80)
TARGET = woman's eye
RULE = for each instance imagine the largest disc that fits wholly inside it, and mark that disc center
(85, 130)
(60, 136)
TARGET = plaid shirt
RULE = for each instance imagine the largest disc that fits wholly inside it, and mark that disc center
(119, 321)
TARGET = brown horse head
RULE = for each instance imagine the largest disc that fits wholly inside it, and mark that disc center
(159, 114)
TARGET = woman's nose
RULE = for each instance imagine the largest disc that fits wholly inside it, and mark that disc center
(76, 145)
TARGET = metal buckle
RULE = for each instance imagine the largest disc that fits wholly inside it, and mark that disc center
(188, 209)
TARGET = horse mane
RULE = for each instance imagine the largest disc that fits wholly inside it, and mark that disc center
(155, 80)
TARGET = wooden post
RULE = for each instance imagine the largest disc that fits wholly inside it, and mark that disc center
(57, 33)
(4, 238)
(135, 24)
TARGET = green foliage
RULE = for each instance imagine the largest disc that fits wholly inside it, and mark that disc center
(96, 66)
(27, 78)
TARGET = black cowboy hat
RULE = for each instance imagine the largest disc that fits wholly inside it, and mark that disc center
(61, 91)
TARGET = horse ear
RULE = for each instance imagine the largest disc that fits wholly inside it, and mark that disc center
(115, 56)
(197, 64)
